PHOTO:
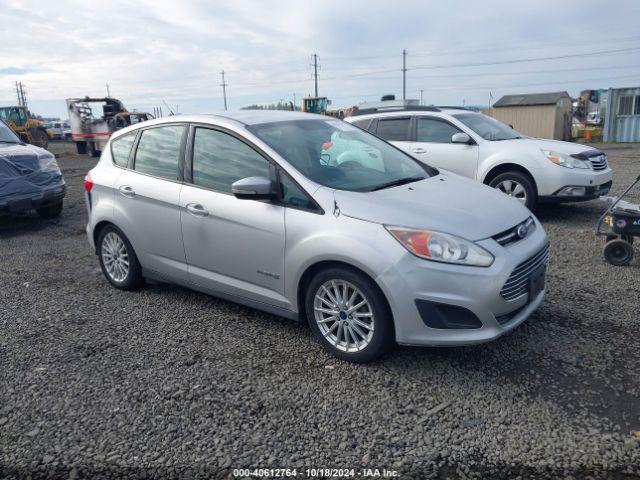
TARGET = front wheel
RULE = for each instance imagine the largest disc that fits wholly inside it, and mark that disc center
(118, 261)
(41, 139)
(618, 252)
(518, 186)
(349, 316)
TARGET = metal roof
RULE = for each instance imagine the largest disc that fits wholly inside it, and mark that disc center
(530, 99)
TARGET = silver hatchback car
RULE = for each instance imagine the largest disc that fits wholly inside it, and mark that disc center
(312, 218)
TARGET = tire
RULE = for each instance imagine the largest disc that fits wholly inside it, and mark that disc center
(626, 238)
(41, 139)
(110, 241)
(517, 185)
(81, 147)
(93, 151)
(50, 211)
(618, 252)
(370, 337)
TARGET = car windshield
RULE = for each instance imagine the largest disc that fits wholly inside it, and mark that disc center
(7, 135)
(487, 127)
(336, 154)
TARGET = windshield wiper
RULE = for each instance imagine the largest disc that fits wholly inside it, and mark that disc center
(8, 141)
(396, 183)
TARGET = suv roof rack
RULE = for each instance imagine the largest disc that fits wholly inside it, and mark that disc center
(450, 107)
(367, 111)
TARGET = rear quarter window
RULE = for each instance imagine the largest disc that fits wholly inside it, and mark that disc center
(121, 148)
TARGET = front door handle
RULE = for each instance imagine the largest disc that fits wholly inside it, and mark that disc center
(197, 210)
(127, 191)
(420, 151)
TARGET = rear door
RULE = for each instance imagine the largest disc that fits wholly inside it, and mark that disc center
(233, 246)
(433, 146)
(147, 196)
(396, 130)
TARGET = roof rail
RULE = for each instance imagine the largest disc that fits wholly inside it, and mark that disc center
(450, 107)
(367, 111)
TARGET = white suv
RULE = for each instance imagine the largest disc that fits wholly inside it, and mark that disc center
(479, 147)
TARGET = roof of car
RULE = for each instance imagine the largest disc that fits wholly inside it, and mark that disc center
(373, 113)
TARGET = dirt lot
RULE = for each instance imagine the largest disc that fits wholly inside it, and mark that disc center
(165, 382)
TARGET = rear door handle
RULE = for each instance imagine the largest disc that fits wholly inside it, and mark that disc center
(420, 151)
(197, 210)
(127, 191)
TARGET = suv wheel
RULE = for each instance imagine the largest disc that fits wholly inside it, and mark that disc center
(118, 261)
(518, 186)
(348, 315)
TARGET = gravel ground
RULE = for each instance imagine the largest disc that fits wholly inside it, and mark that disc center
(168, 383)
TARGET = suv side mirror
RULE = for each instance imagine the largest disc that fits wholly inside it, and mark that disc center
(253, 188)
(461, 138)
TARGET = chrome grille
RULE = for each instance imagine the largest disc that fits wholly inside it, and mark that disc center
(512, 235)
(599, 162)
(517, 284)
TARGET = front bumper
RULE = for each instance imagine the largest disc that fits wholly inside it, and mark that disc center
(412, 281)
(23, 203)
(554, 183)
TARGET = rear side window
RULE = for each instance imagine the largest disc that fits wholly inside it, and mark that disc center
(364, 124)
(394, 129)
(158, 151)
(120, 149)
(434, 131)
(220, 159)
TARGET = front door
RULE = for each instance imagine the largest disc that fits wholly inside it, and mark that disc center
(433, 146)
(232, 246)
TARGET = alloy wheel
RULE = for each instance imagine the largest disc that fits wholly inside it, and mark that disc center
(513, 189)
(344, 315)
(115, 257)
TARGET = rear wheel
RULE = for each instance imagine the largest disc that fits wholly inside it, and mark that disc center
(118, 260)
(618, 252)
(50, 211)
(348, 315)
(41, 139)
(518, 186)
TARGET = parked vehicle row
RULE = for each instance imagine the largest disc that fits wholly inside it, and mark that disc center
(479, 147)
(256, 208)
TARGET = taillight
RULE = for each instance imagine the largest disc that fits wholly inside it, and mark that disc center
(88, 183)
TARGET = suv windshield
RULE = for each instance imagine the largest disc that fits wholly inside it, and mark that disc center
(487, 127)
(7, 135)
(338, 155)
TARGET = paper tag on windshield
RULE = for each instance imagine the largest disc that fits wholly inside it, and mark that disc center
(343, 126)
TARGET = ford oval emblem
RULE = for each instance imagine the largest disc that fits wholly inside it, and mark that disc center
(522, 230)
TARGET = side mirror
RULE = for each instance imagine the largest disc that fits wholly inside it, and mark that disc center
(253, 188)
(461, 138)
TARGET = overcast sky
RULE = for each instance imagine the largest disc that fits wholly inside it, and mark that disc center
(155, 51)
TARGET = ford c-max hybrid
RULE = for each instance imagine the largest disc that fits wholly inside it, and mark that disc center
(372, 249)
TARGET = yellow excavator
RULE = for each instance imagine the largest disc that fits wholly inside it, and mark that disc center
(27, 128)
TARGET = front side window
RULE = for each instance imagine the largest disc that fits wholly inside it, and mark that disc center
(220, 159)
(394, 129)
(487, 127)
(434, 131)
(158, 151)
(338, 155)
(120, 149)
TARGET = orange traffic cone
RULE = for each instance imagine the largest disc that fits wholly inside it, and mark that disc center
(587, 136)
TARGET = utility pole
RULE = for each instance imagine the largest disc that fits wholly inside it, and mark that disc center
(224, 90)
(315, 72)
(421, 102)
(108, 92)
(18, 94)
(404, 74)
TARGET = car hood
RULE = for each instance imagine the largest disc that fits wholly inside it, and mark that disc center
(537, 144)
(446, 202)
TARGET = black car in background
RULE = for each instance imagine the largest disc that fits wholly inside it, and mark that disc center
(30, 178)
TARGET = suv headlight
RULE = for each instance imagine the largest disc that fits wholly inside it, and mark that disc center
(565, 160)
(441, 247)
(47, 163)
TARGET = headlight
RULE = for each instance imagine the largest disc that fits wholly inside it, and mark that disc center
(47, 163)
(441, 247)
(565, 160)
